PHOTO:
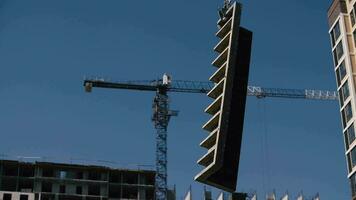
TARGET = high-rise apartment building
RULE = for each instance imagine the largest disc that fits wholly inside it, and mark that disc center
(342, 24)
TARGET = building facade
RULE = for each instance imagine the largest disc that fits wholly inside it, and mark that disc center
(53, 181)
(342, 29)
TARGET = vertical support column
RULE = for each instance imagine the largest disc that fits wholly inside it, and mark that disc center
(1, 172)
(138, 185)
(18, 176)
(35, 172)
(141, 190)
(37, 184)
(108, 184)
(121, 181)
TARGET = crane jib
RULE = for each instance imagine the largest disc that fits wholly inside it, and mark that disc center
(205, 87)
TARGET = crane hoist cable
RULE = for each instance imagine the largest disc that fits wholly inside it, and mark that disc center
(264, 143)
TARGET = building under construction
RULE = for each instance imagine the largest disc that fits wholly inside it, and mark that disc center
(53, 181)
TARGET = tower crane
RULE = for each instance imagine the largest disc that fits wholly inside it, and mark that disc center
(162, 113)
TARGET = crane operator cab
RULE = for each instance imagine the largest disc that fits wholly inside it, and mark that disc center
(167, 79)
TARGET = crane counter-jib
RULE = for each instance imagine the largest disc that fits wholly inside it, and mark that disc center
(111, 85)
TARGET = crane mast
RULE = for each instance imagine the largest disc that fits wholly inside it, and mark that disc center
(160, 118)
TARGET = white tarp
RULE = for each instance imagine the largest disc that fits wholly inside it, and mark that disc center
(317, 197)
(285, 197)
(271, 196)
(188, 196)
(254, 197)
(300, 197)
(221, 196)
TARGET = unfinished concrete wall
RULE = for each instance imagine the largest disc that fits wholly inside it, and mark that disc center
(4, 195)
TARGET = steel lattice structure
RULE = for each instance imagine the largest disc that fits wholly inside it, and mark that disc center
(204, 87)
(160, 118)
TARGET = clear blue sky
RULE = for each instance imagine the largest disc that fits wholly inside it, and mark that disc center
(47, 47)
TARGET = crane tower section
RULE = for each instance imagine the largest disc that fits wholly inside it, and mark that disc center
(227, 110)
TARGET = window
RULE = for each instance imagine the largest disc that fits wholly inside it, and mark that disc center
(115, 177)
(335, 34)
(353, 184)
(130, 178)
(353, 157)
(27, 170)
(336, 62)
(47, 172)
(341, 73)
(79, 190)
(347, 141)
(354, 33)
(344, 93)
(115, 192)
(79, 175)
(339, 50)
(350, 136)
(129, 193)
(94, 189)
(62, 174)
(349, 162)
(345, 90)
(352, 15)
(10, 169)
(93, 175)
(7, 196)
(23, 197)
(62, 189)
(347, 114)
(341, 98)
(354, 12)
(46, 187)
(338, 53)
